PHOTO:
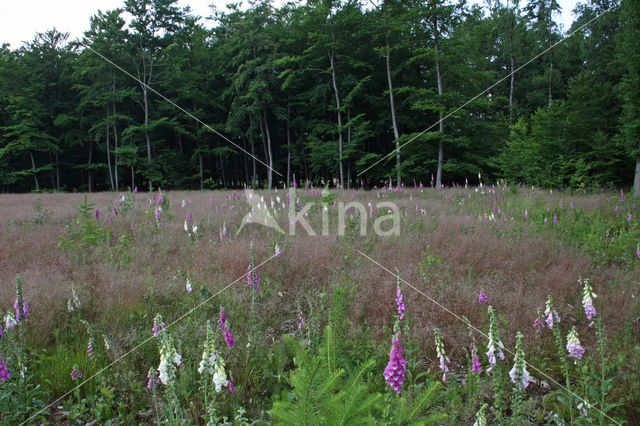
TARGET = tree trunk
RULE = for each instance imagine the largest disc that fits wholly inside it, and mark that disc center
(512, 60)
(224, 179)
(253, 158)
(348, 146)
(335, 90)
(146, 131)
(33, 167)
(57, 172)
(511, 92)
(133, 179)
(636, 181)
(109, 153)
(288, 150)
(396, 132)
(264, 141)
(440, 143)
(90, 171)
(115, 133)
(270, 169)
(201, 166)
(244, 156)
(550, 74)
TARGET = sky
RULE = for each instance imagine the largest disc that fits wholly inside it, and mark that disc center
(20, 20)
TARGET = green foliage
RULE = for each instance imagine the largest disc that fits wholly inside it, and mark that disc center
(321, 393)
(84, 232)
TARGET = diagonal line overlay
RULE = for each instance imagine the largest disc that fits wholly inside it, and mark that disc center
(477, 330)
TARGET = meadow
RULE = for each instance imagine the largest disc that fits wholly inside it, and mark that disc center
(127, 308)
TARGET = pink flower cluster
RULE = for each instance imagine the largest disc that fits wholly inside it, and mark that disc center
(253, 279)
(4, 370)
(228, 337)
(396, 370)
(400, 303)
(76, 373)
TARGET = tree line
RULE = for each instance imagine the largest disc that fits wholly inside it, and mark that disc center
(322, 90)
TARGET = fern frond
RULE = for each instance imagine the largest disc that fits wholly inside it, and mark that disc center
(423, 399)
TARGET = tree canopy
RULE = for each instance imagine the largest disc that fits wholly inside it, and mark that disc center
(321, 90)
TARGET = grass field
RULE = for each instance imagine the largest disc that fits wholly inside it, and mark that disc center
(312, 344)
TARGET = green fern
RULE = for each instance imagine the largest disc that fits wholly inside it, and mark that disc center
(416, 412)
(321, 393)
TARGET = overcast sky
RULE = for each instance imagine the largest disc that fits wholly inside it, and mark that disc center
(21, 19)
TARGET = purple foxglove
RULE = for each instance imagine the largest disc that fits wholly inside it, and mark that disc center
(396, 369)
(574, 347)
(4, 370)
(519, 374)
(587, 300)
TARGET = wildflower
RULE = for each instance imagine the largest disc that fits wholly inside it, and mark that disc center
(481, 419)
(277, 250)
(545, 220)
(482, 298)
(400, 301)
(476, 366)
(10, 321)
(252, 277)
(20, 305)
(74, 302)
(519, 374)
(194, 229)
(538, 323)
(583, 407)
(115, 211)
(186, 226)
(587, 300)
(169, 358)
(551, 315)
(444, 359)
(228, 337)
(90, 350)
(526, 214)
(495, 346)
(638, 251)
(574, 347)
(158, 325)
(184, 204)
(152, 379)
(622, 195)
(189, 288)
(212, 363)
(555, 219)
(396, 370)
(76, 373)
(96, 214)
(4, 370)
(0, 331)
(107, 345)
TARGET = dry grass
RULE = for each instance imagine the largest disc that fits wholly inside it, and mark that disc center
(517, 274)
